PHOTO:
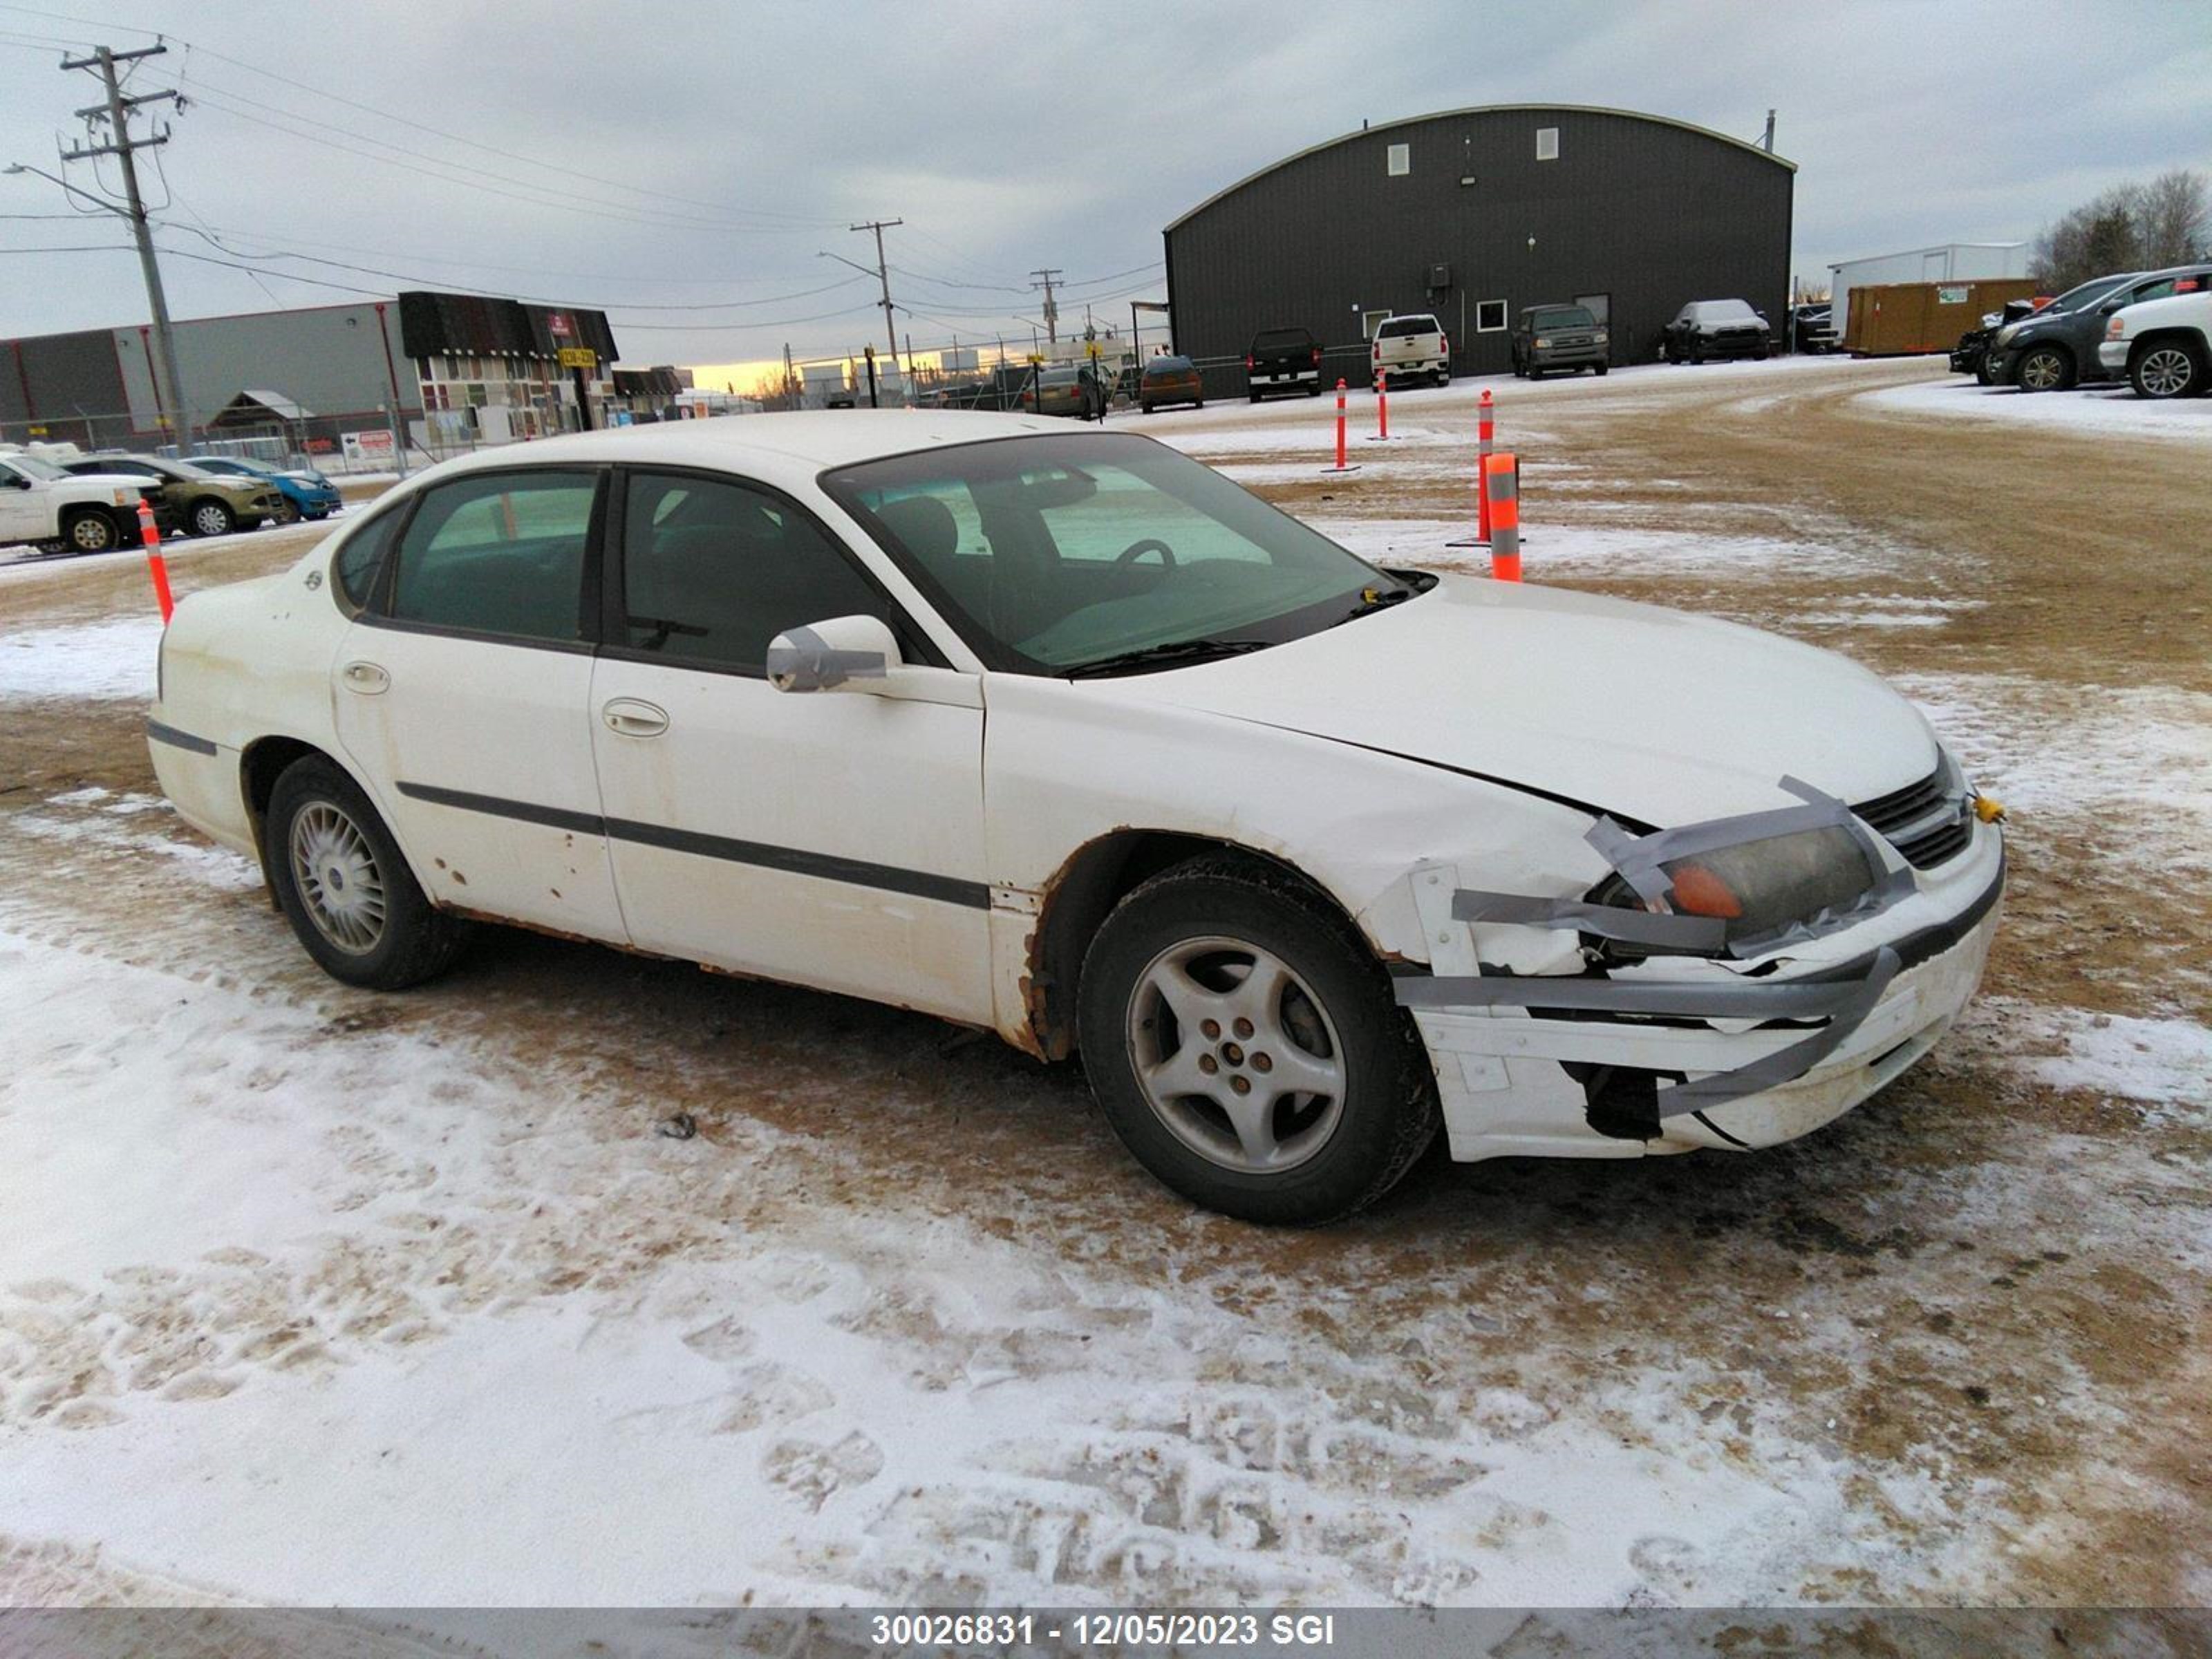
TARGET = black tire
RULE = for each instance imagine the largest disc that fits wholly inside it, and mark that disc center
(1697, 351)
(412, 941)
(1360, 1147)
(2043, 369)
(1601, 368)
(1314, 391)
(2167, 370)
(287, 510)
(210, 517)
(1255, 397)
(88, 530)
(1201, 404)
(1984, 375)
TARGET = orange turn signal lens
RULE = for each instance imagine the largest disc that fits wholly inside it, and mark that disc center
(1699, 892)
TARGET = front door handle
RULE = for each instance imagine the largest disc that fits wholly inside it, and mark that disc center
(365, 678)
(633, 717)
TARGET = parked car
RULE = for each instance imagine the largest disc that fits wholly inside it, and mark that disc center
(1408, 348)
(1972, 354)
(199, 503)
(1067, 389)
(304, 493)
(1169, 379)
(2057, 348)
(42, 502)
(1558, 336)
(1715, 328)
(1600, 893)
(1813, 329)
(2164, 345)
(1282, 360)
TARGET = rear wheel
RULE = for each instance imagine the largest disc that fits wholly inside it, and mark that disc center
(2047, 369)
(1244, 1044)
(1255, 397)
(2168, 368)
(210, 517)
(88, 530)
(344, 887)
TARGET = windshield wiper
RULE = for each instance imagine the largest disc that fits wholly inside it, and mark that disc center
(1174, 651)
(1374, 600)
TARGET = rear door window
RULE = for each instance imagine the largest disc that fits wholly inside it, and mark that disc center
(500, 553)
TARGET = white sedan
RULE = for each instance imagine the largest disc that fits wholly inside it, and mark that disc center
(1057, 733)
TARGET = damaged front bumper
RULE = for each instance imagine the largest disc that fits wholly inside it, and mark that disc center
(1674, 1053)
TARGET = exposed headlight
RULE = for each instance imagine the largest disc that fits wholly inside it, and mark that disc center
(1543, 345)
(1760, 887)
(1598, 338)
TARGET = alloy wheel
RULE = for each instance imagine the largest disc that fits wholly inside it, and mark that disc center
(1236, 1055)
(2165, 372)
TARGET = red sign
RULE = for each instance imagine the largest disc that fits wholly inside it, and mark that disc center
(556, 323)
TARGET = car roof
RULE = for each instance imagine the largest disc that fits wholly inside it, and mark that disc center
(803, 440)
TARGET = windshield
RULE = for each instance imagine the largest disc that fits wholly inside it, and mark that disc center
(1566, 317)
(1723, 311)
(1051, 552)
(2088, 293)
(35, 467)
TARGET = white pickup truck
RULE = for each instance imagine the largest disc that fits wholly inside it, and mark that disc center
(1412, 348)
(2164, 345)
(41, 504)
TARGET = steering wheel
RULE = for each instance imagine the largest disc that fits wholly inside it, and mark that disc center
(1136, 550)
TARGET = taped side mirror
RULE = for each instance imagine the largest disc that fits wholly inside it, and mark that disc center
(824, 656)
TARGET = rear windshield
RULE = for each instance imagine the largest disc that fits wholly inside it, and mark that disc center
(1398, 327)
(1565, 317)
(1168, 365)
(1061, 376)
(1266, 339)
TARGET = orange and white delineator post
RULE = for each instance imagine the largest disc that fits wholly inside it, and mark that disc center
(150, 535)
(1485, 431)
(1340, 425)
(1381, 403)
(1500, 477)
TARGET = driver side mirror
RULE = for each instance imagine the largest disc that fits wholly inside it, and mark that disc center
(826, 656)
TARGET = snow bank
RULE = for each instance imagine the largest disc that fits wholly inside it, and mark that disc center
(2092, 409)
(97, 659)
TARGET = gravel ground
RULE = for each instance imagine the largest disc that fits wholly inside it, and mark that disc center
(412, 1305)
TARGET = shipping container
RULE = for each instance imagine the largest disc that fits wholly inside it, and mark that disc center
(1896, 319)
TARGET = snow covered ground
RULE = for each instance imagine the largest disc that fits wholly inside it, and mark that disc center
(313, 1296)
(2091, 410)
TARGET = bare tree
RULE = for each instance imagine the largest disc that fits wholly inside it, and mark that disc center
(2128, 227)
(2174, 220)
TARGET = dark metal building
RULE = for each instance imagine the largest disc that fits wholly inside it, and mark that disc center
(1473, 214)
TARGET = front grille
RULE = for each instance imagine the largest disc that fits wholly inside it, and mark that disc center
(1936, 838)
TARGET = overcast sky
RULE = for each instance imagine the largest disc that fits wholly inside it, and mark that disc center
(670, 155)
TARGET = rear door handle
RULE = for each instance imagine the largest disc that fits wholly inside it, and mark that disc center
(365, 678)
(633, 717)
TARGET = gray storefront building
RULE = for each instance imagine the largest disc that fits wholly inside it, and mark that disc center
(1473, 214)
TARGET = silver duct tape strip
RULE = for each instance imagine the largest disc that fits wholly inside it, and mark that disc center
(1784, 1065)
(810, 663)
(1605, 921)
(1734, 999)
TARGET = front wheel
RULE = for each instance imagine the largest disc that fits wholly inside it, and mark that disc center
(344, 887)
(1601, 368)
(1243, 1043)
(2169, 369)
(211, 518)
(2044, 370)
(88, 530)
(287, 510)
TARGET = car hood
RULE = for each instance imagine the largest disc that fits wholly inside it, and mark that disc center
(1646, 714)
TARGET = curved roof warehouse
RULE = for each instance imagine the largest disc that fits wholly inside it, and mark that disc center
(1475, 214)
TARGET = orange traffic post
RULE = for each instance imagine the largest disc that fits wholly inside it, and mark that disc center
(150, 536)
(1485, 431)
(1340, 425)
(1383, 403)
(1501, 474)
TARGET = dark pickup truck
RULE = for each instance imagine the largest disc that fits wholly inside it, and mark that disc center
(1282, 360)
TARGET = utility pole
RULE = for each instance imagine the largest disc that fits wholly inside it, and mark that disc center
(116, 111)
(1051, 310)
(883, 276)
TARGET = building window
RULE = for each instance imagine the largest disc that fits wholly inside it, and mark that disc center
(1400, 160)
(1489, 316)
(1548, 143)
